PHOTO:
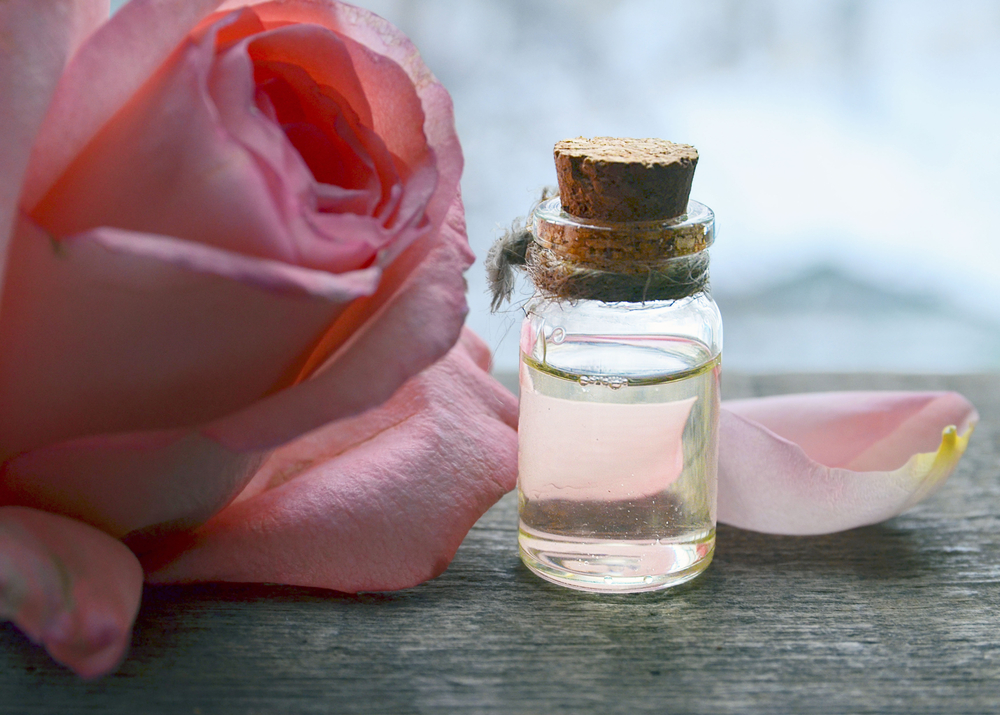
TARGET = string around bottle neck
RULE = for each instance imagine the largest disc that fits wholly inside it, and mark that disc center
(574, 259)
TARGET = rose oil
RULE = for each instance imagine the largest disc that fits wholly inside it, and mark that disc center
(616, 474)
(620, 356)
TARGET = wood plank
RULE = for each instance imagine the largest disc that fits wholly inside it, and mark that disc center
(902, 617)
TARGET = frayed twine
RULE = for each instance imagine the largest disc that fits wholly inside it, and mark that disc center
(670, 279)
(570, 278)
(506, 252)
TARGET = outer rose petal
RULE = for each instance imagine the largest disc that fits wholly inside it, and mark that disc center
(769, 483)
(112, 331)
(433, 113)
(164, 164)
(109, 68)
(186, 477)
(39, 37)
(150, 483)
(386, 512)
(69, 587)
(413, 319)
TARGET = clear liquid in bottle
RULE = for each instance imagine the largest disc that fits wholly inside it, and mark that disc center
(617, 473)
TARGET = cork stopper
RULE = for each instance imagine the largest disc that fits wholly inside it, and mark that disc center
(621, 180)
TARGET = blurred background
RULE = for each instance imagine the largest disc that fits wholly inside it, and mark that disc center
(850, 150)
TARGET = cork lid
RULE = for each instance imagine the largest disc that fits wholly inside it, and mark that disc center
(615, 179)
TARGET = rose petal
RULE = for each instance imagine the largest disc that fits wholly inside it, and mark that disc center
(878, 452)
(384, 508)
(145, 484)
(186, 477)
(873, 430)
(370, 31)
(352, 431)
(69, 587)
(108, 69)
(161, 165)
(39, 37)
(119, 332)
(376, 345)
(318, 228)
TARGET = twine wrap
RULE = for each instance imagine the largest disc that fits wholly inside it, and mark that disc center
(576, 259)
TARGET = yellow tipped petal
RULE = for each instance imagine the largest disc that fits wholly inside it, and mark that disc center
(819, 463)
(931, 469)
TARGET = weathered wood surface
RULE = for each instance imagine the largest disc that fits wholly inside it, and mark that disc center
(903, 617)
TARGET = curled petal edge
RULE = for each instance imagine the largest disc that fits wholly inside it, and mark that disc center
(768, 484)
(69, 587)
(931, 469)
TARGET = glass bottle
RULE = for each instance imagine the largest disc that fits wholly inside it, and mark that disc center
(619, 406)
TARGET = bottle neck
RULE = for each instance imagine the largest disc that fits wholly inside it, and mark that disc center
(579, 259)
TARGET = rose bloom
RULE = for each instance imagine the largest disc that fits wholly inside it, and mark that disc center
(231, 232)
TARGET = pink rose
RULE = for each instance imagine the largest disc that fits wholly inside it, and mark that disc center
(224, 225)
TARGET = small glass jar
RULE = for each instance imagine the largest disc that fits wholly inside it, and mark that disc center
(618, 432)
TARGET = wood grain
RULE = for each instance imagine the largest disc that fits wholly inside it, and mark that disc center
(903, 617)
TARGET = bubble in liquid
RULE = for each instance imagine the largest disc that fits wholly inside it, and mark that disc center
(608, 579)
(558, 335)
(647, 579)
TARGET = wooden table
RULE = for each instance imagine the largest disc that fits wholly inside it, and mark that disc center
(903, 617)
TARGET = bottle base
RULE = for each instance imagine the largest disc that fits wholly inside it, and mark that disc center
(608, 566)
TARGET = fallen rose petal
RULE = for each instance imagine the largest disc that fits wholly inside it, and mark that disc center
(68, 586)
(819, 463)
(385, 507)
